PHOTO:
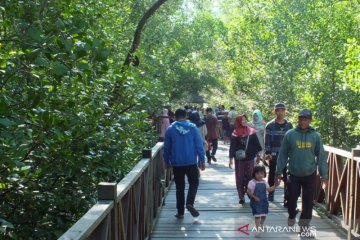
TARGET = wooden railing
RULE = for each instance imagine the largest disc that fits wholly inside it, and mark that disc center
(129, 209)
(343, 192)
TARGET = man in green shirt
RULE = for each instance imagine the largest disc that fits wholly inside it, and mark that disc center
(302, 149)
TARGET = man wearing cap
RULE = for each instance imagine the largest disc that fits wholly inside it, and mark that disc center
(303, 150)
(274, 134)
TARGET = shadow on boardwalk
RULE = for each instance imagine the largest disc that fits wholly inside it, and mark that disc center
(221, 215)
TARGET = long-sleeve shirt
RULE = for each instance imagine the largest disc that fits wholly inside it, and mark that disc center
(303, 152)
(211, 125)
(183, 145)
(237, 143)
(274, 135)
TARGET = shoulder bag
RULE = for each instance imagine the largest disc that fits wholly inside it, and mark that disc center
(240, 155)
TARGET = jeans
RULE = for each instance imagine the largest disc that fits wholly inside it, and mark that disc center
(307, 186)
(192, 173)
(214, 143)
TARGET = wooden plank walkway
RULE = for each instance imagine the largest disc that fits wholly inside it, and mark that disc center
(221, 215)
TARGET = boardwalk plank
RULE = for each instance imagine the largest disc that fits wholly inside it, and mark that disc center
(221, 215)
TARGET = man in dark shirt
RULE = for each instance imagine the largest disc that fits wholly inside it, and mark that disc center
(213, 135)
(171, 114)
(274, 134)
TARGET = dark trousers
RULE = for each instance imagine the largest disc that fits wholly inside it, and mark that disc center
(307, 186)
(271, 178)
(192, 173)
(214, 144)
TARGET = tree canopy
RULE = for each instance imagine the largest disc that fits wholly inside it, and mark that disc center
(71, 115)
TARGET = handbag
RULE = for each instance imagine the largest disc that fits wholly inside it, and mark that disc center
(240, 155)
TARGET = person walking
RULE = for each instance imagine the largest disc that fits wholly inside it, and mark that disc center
(212, 136)
(274, 133)
(184, 152)
(303, 151)
(171, 114)
(257, 189)
(200, 124)
(226, 128)
(165, 123)
(232, 116)
(259, 125)
(244, 145)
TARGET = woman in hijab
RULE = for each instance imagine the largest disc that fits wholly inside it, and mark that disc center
(165, 122)
(244, 146)
(259, 125)
(194, 117)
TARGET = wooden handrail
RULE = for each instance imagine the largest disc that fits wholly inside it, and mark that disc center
(125, 184)
(338, 151)
(127, 210)
(90, 221)
(343, 192)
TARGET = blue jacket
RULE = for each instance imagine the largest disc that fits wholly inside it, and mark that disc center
(183, 145)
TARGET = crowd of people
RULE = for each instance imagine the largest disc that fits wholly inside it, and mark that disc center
(293, 155)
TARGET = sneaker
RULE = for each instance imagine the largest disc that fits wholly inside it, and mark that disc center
(213, 158)
(179, 216)
(291, 222)
(192, 210)
(242, 201)
(271, 197)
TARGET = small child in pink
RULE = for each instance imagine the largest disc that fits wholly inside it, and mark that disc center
(256, 190)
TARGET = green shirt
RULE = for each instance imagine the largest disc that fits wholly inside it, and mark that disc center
(304, 153)
(232, 116)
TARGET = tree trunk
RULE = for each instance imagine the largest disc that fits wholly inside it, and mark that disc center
(116, 96)
(137, 36)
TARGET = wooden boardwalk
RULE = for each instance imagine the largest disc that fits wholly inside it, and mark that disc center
(221, 215)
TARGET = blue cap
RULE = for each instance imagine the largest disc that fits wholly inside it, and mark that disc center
(305, 113)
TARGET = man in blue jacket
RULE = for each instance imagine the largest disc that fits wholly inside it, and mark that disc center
(184, 152)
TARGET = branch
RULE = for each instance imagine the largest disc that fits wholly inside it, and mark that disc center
(135, 44)
(137, 36)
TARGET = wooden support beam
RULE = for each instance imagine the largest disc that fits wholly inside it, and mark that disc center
(108, 191)
(352, 182)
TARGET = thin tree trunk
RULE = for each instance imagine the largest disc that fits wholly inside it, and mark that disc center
(116, 96)
(137, 36)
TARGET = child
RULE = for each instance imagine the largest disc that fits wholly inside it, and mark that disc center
(226, 128)
(257, 192)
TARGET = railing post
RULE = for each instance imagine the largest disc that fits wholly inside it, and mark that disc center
(147, 153)
(352, 208)
(108, 191)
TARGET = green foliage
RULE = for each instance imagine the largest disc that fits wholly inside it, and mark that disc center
(59, 134)
(62, 132)
(297, 52)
